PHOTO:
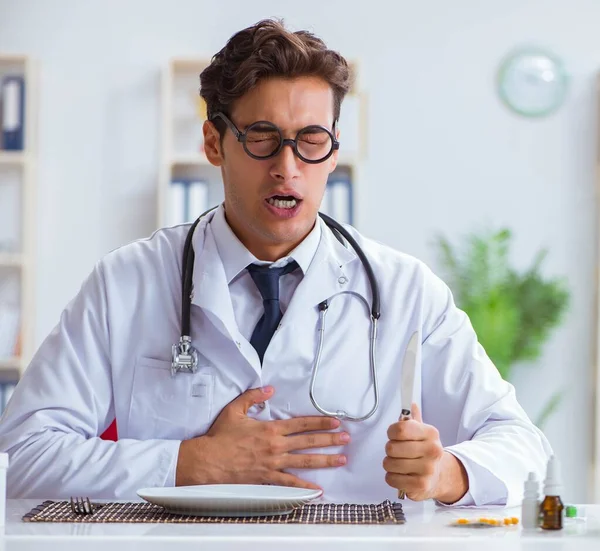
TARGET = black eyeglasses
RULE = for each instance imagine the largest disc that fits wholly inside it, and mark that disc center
(263, 140)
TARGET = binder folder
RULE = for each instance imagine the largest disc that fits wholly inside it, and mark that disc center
(188, 199)
(13, 113)
(338, 200)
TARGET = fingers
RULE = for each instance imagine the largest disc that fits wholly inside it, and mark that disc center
(249, 398)
(408, 466)
(406, 450)
(311, 461)
(306, 424)
(285, 479)
(315, 440)
(416, 487)
(411, 429)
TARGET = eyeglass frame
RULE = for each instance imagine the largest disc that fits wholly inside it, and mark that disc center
(241, 137)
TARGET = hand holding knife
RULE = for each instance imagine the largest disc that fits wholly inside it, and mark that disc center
(415, 460)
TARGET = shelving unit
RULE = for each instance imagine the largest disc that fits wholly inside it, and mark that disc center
(182, 155)
(17, 220)
(12, 260)
(13, 362)
(12, 158)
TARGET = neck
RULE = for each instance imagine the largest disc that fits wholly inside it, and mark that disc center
(269, 251)
(272, 253)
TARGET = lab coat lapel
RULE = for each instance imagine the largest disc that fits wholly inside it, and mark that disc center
(210, 289)
(333, 270)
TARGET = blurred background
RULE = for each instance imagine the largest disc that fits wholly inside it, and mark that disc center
(473, 130)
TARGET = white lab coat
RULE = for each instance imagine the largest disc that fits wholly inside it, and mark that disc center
(109, 357)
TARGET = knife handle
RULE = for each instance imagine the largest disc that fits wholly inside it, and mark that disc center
(404, 416)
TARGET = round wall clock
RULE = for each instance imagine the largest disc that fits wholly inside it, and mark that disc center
(532, 82)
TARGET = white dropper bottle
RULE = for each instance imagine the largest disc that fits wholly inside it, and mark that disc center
(530, 508)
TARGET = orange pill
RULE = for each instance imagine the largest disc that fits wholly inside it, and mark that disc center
(514, 520)
(462, 521)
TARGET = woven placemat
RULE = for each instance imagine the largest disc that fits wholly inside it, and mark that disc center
(386, 512)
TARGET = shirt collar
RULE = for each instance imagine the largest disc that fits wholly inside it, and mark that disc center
(235, 256)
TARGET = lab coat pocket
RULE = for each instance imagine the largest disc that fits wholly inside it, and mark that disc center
(163, 406)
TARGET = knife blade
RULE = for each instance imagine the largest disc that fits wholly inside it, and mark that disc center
(407, 382)
(409, 365)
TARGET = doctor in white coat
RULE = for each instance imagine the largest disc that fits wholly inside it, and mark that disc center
(245, 415)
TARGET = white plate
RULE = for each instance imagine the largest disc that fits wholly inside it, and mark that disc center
(230, 500)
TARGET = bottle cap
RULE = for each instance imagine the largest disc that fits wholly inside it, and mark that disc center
(531, 486)
(552, 484)
(571, 511)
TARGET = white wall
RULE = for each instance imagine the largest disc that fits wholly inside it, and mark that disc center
(444, 156)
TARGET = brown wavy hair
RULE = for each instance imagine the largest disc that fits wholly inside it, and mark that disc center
(266, 50)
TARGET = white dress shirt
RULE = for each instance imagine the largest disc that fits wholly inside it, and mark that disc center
(245, 297)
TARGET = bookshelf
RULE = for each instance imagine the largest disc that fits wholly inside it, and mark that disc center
(182, 156)
(17, 220)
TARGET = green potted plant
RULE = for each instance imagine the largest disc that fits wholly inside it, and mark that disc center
(512, 313)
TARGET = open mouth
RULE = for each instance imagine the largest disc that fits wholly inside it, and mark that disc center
(283, 201)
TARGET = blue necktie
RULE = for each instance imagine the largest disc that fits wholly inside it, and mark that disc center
(267, 281)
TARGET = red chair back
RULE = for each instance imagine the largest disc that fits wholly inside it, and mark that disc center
(111, 432)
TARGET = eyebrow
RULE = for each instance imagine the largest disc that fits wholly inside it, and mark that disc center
(263, 125)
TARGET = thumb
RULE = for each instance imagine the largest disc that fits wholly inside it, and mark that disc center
(251, 397)
(416, 413)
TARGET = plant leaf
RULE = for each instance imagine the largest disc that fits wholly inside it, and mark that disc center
(551, 406)
(512, 313)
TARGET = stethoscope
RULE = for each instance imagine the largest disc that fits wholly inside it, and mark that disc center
(185, 356)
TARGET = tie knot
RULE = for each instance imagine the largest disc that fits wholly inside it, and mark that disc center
(267, 278)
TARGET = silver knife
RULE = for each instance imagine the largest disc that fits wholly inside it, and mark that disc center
(409, 365)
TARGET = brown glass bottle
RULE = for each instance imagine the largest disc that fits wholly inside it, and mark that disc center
(551, 510)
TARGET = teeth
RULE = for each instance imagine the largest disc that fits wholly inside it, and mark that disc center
(283, 203)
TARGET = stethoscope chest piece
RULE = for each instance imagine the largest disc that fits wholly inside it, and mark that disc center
(184, 357)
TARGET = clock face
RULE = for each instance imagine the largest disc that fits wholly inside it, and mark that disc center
(532, 82)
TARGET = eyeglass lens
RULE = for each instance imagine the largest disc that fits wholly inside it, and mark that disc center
(263, 140)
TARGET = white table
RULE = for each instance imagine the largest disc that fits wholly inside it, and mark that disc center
(427, 527)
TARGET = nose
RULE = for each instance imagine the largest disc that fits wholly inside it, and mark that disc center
(286, 165)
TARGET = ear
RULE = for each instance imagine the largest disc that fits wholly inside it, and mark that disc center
(333, 160)
(212, 144)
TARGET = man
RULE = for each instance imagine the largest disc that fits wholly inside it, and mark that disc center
(263, 264)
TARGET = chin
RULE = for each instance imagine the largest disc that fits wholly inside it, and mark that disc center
(289, 232)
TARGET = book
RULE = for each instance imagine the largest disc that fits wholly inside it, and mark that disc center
(13, 112)
(177, 200)
(338, 200)
(9, 379)
(9, 330)
(198, 199)
(188, 199)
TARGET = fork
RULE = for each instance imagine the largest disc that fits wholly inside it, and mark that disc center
(82, 506)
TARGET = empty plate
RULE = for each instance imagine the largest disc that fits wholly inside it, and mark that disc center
(229, 500)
